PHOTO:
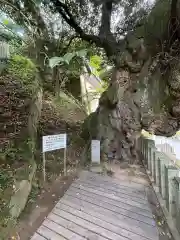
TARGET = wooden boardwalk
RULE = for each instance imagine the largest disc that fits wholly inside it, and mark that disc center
(97, 207)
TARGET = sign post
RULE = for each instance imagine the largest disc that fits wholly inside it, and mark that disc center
(44, 166)
(53, 142)
(95, 151)
(65, 170)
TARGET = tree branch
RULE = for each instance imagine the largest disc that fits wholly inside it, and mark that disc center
(15, 7)
(64, 50)
(174, 24)
(69, 18)
(31, 7)
(105, 29)
(106, 18)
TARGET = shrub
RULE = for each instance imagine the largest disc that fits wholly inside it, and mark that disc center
(24, 70)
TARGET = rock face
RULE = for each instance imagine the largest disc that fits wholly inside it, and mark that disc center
(20, 108)
(22, 190)
(144, 89)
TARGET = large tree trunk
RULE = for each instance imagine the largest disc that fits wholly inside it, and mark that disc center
(144, 89)
(119, 118)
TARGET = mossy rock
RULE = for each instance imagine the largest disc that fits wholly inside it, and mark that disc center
(23, 186)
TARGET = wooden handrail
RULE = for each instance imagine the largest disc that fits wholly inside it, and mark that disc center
(165, 177)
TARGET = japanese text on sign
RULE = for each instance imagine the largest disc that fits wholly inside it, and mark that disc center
(54, 142)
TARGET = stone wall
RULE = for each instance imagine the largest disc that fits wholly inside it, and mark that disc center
(22, 190)
(20, 110)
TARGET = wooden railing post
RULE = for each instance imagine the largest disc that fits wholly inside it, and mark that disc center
(149, 159)
(166, 181)
(162, 162)
(170, 173)
(151, 147)
(143, 148)
(177, 202)
(157, 168)
(154, 166)
(146, 151)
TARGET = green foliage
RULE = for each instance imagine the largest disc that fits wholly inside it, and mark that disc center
(15, 47)
(22, 67)
(6, 21)
(10, 26)
(146, 134)
(81, 53)
(24, 70)
(106, 73)
(101, 68)
(103, 87)
(9, 29)
(67, 58)
(177, 134)
(15, 41)
(95, 63)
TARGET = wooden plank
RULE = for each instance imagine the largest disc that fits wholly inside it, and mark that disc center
(122, 205)
(61, 230)
(111, 217)
(112, 196)
(102, 223)
(99, 208)
(36, 236)
(110, 181)
(115, 208)
(49, 234)
(88, 225)
(133, 192)
(74, 227)
(104, 178)
(122, 193)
